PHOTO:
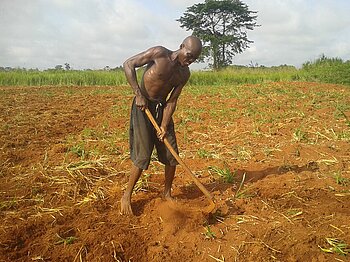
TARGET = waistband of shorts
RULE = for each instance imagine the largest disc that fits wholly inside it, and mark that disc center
(156, 102)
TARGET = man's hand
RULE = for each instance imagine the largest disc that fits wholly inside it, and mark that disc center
(141, 102)
(162, 133)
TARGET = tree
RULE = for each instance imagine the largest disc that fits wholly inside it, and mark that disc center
(59, 67)
(67, 66)
(222, 26)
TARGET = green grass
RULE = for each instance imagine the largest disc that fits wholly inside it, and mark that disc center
(224, 173)
(326, 70)
(209, 234)
(340, 179)
(8, 205)
(143, 184)
(300, 135)
(66, 241)
(336, 246)
(62, 78)
(245, 75)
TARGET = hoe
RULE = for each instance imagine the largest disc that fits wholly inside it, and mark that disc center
(212, 205)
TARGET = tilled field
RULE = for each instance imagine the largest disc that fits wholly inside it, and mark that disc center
(275, 156)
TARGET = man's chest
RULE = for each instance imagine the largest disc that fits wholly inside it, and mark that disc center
(168, 73)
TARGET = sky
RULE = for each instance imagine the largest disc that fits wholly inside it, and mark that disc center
(98, 33)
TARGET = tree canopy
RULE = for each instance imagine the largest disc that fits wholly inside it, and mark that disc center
(222, 26)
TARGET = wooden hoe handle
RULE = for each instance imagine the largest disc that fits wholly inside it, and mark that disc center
(177, 157)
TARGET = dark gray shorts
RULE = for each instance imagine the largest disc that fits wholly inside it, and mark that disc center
(143, 137)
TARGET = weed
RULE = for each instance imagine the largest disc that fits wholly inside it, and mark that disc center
(88, 133)
(8, 205)
(224, 173)
(241, 194)
(294, 213)
(340, 180)
(78, 150)
(66, 241)
(268, 151)
(193, 115)
(341, 113)
(209, 234)
(344, 135)
(337, 246)
(120, 108)
(202, 153)
(142, 184)
(243, 154)
(299, 135)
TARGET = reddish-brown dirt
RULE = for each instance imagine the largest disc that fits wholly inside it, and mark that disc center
(274, 156)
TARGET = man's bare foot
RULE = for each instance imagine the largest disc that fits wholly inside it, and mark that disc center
(125, 206)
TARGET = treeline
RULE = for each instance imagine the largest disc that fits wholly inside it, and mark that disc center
(323, 69)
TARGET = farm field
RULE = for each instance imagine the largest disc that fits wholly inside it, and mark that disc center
(275, 156)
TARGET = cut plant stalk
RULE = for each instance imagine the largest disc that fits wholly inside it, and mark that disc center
(212, 206)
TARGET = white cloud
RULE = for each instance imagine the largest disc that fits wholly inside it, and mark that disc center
(294, 31)
(96, 33)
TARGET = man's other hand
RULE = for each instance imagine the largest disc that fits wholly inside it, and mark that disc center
(161, 134)
(141, 102)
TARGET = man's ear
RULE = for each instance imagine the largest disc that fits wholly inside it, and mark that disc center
(181, 46)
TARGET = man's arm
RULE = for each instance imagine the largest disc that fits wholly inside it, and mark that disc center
(130, 66)
(169, 110)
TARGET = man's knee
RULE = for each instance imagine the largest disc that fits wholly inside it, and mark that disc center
(141, 163)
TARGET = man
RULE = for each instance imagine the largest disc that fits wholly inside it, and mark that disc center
(166, 73)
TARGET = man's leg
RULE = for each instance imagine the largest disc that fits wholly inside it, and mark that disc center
(169, 177)
(135, 174)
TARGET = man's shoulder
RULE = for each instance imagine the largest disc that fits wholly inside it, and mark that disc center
(159, 51)
(161, 48)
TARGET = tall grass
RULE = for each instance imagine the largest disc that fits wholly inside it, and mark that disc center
(328, 70)
(228, 76)
(22, 77)
(245, 75)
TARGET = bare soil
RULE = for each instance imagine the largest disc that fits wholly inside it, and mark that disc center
(274, 156)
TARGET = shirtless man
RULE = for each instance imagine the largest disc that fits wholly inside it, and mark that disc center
(166, 73)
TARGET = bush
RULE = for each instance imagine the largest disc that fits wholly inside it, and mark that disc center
(328, 70)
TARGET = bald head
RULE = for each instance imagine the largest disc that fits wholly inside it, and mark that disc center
(193, 44)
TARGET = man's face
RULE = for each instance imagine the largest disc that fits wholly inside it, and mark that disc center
(189, 56)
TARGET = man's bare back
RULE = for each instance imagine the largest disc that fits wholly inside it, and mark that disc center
(164, 77)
